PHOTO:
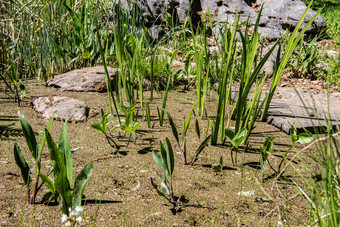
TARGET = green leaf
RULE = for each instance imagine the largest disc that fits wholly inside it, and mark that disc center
(197, 128)
(304, 138)
(186, 126)
(86, 55)
(173, 126)
(202, 146)
(160, 163)
(97, 127)
(65, 151)
(80, 183)
(29, 135)
(170, 159)
(155, 187)
(164, 187)
(230, 136)
(48, 182)
(240, 137)
(135, 126)
(61, 182)
(21, 162)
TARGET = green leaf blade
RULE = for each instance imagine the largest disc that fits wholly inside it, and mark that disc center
(29, 135)
(80, 183)
(21, 162)
(65, 151)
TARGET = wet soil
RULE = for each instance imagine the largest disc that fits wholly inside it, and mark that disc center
(119, 191)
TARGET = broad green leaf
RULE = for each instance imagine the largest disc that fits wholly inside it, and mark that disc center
(62, 184)
(80, 183)
(304, 138)
(230, 136)
(160, 163)
(29, 135)
(97, 127)
(163, 154)
(21, 162)
(135, 126)
(170, 159)
(240, 137)
(43, 143)
(48, 182)
(65, 151)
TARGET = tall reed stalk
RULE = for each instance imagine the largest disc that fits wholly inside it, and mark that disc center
(227, 49)
(280, 66)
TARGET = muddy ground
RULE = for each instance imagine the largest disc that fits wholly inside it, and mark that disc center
(119, 191)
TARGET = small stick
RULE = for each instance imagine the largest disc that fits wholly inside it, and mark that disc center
(298, 153)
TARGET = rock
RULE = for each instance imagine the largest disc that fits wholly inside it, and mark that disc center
(269, 65)
(156, 32)
(85, 79)
(63, 108)
(305, 110)
(277, 15)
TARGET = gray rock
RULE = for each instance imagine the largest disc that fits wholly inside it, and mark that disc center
(85, 79)
(277, 15)
(156, 32)
(269, 65)
(305, 110)
(63, 108)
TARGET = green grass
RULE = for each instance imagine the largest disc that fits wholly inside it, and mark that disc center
(330, 11)
(55, 36)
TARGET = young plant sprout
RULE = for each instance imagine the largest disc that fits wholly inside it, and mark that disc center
(182, 146)
(130, 125)
(235, 140)
(103, 126)
(166, 162)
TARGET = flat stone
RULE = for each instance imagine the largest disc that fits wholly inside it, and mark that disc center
(307, 111)
(63, 108)
(85, 79)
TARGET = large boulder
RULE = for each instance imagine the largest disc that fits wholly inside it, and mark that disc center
(62, 108)
(277, 15)
(85, 79)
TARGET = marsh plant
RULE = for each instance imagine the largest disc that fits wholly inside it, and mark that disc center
(236, 140)
(62, 168)
(266, 151)
(182, 145)
(166, 162)
(129, 125)
(36, 154)
(321, 186)
(103, 127)
(293, 41)
(62, 164)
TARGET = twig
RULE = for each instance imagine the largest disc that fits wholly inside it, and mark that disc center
(262, 189)
(103, 158)
(298, 153)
